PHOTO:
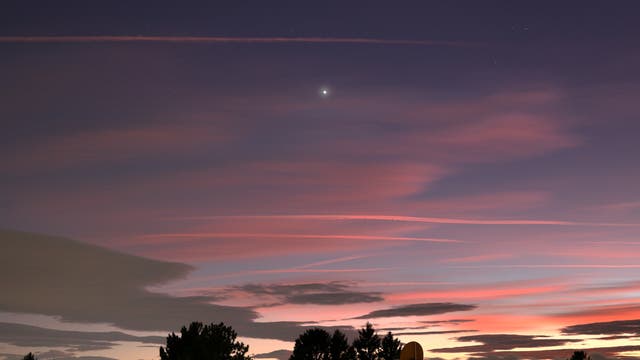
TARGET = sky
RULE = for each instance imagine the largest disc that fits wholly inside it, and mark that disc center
(463, 174)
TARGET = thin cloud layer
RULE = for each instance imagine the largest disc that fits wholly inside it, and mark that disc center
(492, 342)
(277, 354)
(418, 310)
(330, 293)
(605, 328)
(597, 353)
(403, 218)
(33, 336)
(434, 332)
(56, 355)
(226, 39)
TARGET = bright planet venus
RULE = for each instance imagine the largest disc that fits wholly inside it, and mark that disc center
(462, 174)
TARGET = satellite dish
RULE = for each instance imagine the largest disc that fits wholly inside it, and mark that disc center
(412, 351)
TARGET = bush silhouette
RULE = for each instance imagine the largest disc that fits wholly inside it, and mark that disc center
(204, 342)
(29, 356)
(580, 355)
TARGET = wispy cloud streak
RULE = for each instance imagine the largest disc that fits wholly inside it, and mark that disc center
(401, 218)
(555, 266)
(152, 238)
(226, 39)
(297, 270)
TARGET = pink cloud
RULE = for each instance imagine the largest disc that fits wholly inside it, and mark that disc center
(557, 266)
(297, 271)
(173, 237)
(510, 135)
(260, 238)
(629, 310)
(617, 208)
(498, 127)
(346, 181)
(477, 258)
(474, 293)
(402, 218)
(507, 201)
(509, 323)
(226, 246)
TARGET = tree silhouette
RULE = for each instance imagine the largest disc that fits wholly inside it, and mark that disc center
(367, 344)
(29, 356)
(339, 348)
(313, 344)
(390, 347)
(352, 354)
(580, 355)
(210, 342)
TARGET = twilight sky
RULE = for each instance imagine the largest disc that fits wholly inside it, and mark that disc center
(469, 181)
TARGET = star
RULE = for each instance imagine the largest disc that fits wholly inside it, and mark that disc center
(324, 92)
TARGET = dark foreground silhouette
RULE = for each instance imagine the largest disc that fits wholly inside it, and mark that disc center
(312, 344)
(580, 355)
(206, 342)
(218, 342)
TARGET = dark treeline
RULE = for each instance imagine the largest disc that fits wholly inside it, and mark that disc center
(218, 342)
(318, 344)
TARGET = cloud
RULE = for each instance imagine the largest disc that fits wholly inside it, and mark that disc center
(418, 310)
(331, 293)
(83, 283)
(504, 132)
(436, 332)
(605, 328)
(265, 171)
(54, 355)
(554, 266)
(334, 298)
(452, 321)
(261, 238)
(66, 355)
(499, 127)
(226, 39)
(602, 353)
(277, 354)
(110, 146)
(492, 342)
(194, 246)
(153, 238)
(617, 337)
(485, 203)
(33, 336)
(403, 218)
(477, 258)
(484, 291)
